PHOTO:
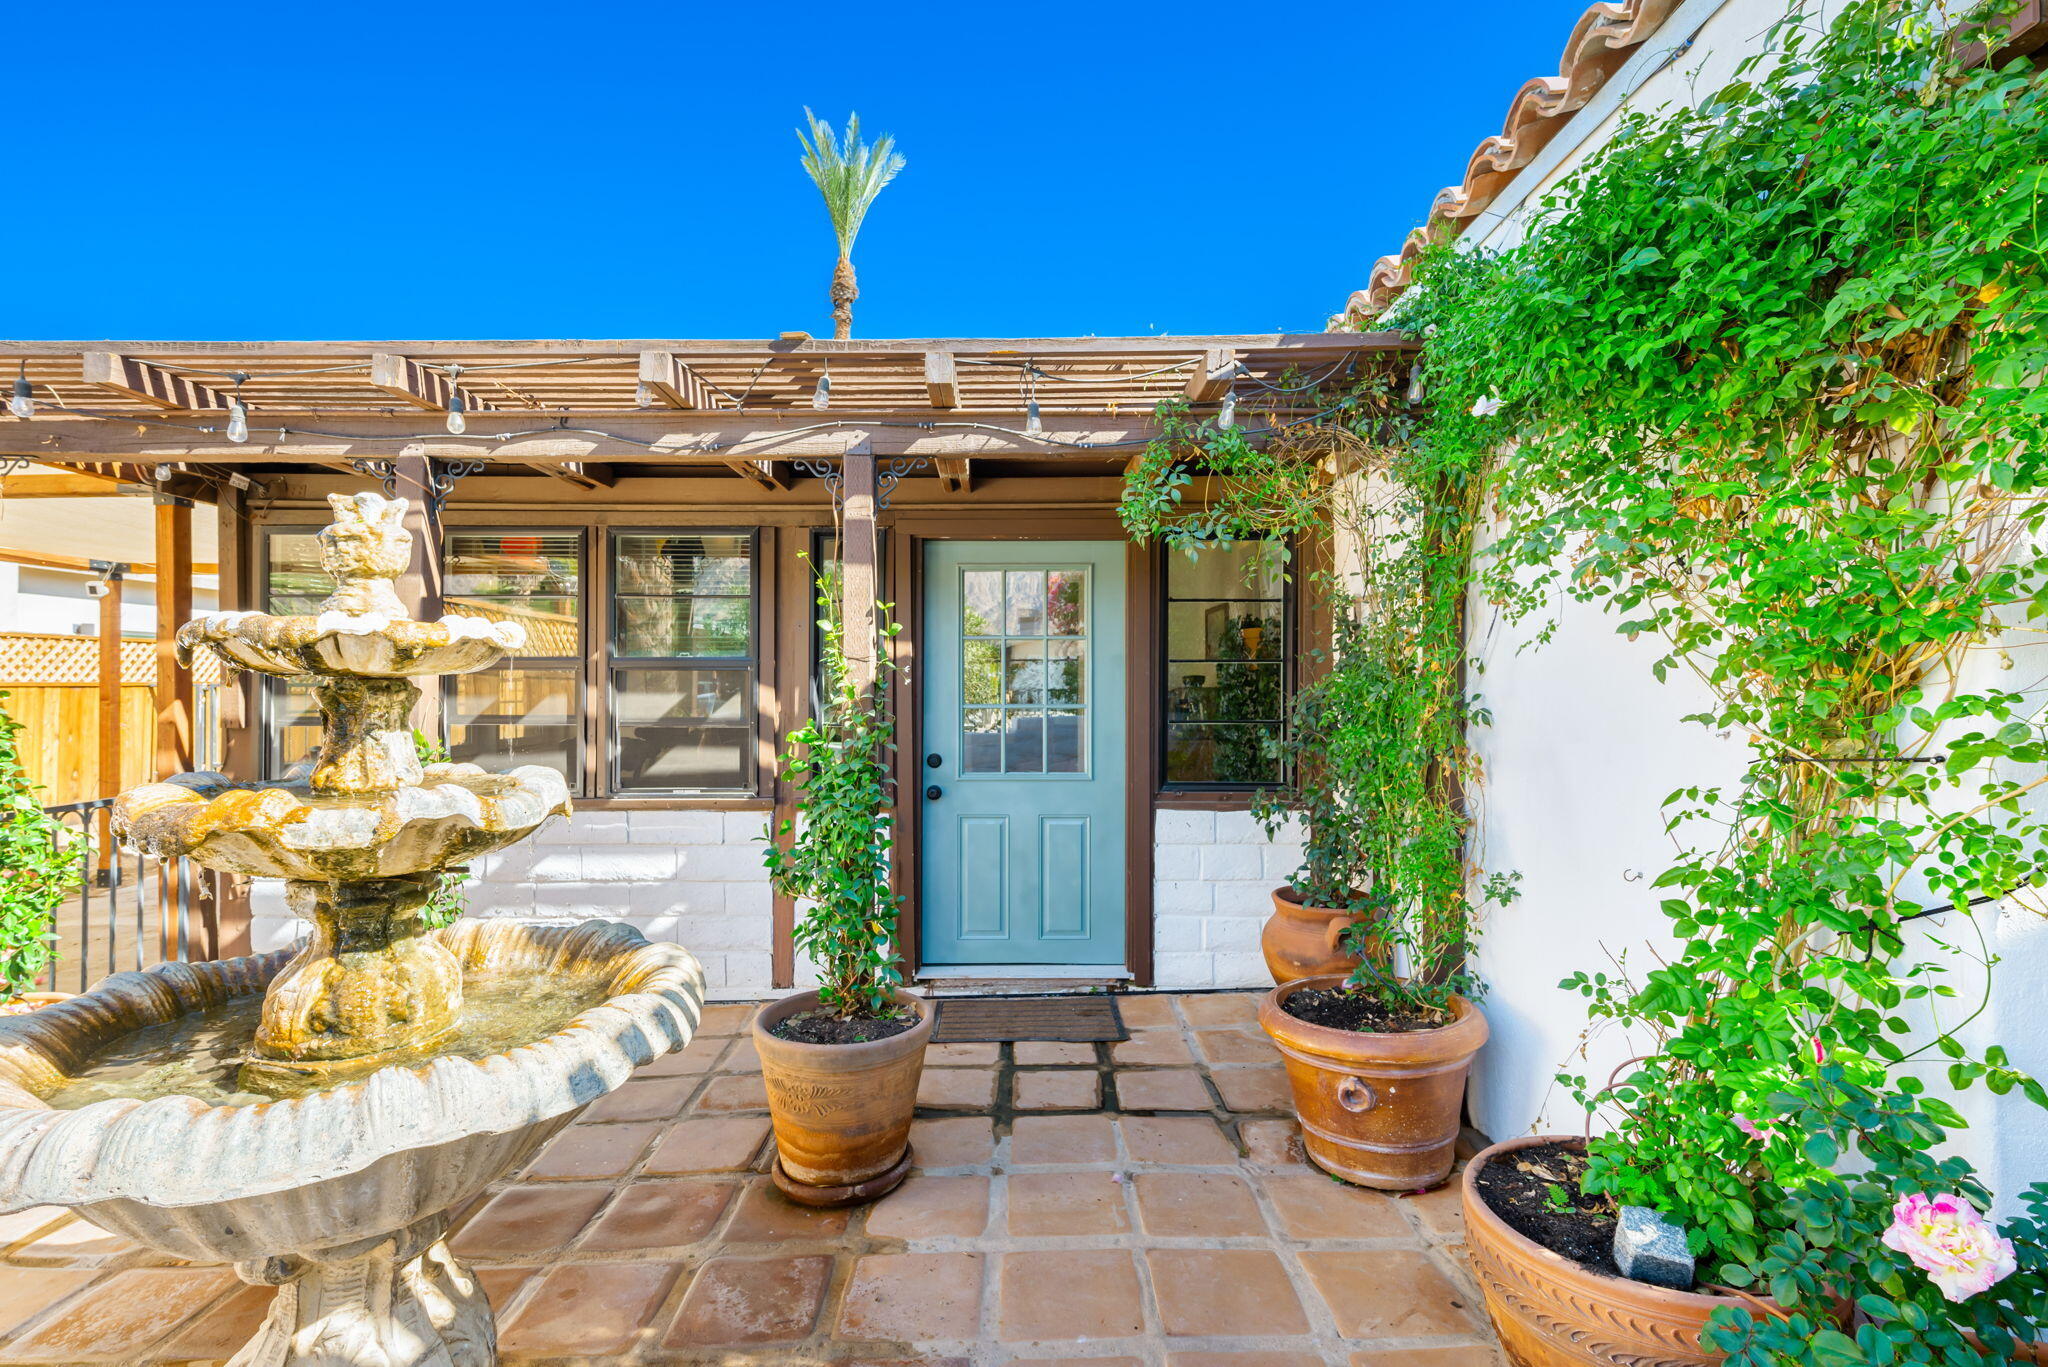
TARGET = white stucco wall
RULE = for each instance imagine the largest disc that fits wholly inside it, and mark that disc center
(1213, 875)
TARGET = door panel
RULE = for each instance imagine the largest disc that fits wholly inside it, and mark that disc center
(1023, 713)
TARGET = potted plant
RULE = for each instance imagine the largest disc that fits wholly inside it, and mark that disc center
(842, 1062)
(39, 868)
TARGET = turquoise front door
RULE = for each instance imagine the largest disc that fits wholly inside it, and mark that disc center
(1023, 764)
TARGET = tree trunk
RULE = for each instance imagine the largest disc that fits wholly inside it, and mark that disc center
(844, 292)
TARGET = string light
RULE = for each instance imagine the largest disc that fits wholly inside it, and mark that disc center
(457, 424)
(238, 414)
(1226, 412)
(23, 402)
(821, 397)
(1033, 421)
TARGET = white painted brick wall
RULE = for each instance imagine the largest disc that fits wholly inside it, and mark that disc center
(1213, 880)
(692, 878)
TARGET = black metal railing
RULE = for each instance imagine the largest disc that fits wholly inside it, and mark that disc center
(130, 910)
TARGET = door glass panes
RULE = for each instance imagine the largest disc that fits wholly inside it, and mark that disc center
(1226, 626)
(1023, 686)
(683, 663)
(294, 585)
(529, 709)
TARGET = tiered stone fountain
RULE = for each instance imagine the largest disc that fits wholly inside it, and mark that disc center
(313, 1115)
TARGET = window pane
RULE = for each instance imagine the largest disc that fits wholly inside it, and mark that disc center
(1065, 594)
(983, 684)
(684, 728)
(1063, 672)
(1026, 600)
(684, 627)
(1224, 692)
(530, 577)
(294, 723)
(1232, 752)
(294, 584)
(517, 714)
(671, 563)
(1249, 569)
(1223, 631)
(1024, 672)
(981, 742)
(1065, 742)
(982, 614)
(297, 583)
(1024, 742)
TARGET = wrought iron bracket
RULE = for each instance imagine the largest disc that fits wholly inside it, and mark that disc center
(385, 472)
(14, 465)
(893, 470)
(442, 477)
(829, 471)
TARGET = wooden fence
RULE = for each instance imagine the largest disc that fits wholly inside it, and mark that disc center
(52, 690)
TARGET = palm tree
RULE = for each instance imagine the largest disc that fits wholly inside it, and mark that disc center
(849, 174)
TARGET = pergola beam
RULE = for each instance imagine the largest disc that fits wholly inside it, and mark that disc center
(1211, 380)
(57, 486)
(582, 474)
(665, 379)
(154, 385)
(420, 385)
(956, 475)
(768, 474)
(942, 379)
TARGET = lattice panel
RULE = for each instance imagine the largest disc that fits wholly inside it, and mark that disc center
(36, 658)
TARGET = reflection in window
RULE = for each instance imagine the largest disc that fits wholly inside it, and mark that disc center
(1226, 628)
(529, 709)
(682, 664)
(1024, 671)
(294, 584)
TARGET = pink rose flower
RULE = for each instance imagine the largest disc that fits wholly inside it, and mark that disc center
(1948, 1239)
(1766, 1130)
(1820, 1054)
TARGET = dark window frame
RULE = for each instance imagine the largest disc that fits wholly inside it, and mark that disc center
(610, 663)
(1290, 636)
(580, 716)
(270, 763)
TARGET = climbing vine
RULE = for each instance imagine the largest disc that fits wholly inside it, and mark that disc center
(1763, 377)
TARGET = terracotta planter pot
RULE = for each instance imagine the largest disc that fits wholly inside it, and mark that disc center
(842, 1112)
(1551, 1312)
(1301, 941)
(1378, 1110)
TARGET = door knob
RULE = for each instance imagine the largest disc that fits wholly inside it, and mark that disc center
(932, 761)
(935, 792)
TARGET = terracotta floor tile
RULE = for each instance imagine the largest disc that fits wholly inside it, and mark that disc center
(1062, 1139)
(1474, 1356)
(697, 1057)
(973, 1055)
(588, 1308)
(1051, 1204)
(1146, 1012)
(1198, 1205)
(220, 1332)
(956, 1087)
(661, 1215)
(932, 1207)
(1192, 1140)
(1389, 1293)
(714, 1145)
(28, 1291)
(1042, 1053)
(1441, 1212)
(1254, 1089)
(913, 1297)
(501, 1284)
(1152, 1048)
(123, 1314)
(953, 1142)
(743, 1057)
(1164, 1089)
(1272, 1144)
(1221, 1008)
(1062, 1089)
(74, 1243)
(1318, 1206)
(749, 1300)
(735, 1092)
(521, 1221)
(765, 1216)
(728, 1018)
(1213, 1359)
(583, 1152)
(1240, 1292)
(1070, 1294)
(658, 1098)
(1236, 1046)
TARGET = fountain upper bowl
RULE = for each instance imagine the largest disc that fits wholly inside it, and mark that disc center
(372, 645)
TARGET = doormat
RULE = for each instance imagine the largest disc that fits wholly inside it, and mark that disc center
(987, 1020)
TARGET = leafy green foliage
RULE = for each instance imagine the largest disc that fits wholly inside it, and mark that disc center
(835, 855)
(1374, 747)
(447, 904)
(41, 862)
(1765, 376)
(848, 173)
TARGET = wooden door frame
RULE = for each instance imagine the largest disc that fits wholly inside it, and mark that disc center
(904, 586)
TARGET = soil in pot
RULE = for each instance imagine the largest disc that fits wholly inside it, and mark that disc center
(1360, 1011)
(825, 1027)
(1536, 1192)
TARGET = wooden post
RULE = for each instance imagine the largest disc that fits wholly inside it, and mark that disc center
(860, 558)
(239, 714)
(107, 776)
(173, 610)
(419, 588)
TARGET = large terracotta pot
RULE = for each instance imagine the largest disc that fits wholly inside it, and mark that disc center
(842, 1112)
(1551, 1312)
(1301, 941)
(1378, 1110)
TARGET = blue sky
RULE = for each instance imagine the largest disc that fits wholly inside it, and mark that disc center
(629, 169)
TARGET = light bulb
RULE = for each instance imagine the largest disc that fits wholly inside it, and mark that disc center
(23, 402)
(1226, 412)
(821, 397)
(1032, 422)
(457, 424)
(238, 421)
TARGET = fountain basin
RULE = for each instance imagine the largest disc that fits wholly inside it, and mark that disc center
(370, 645)
(340, 1197)
(287, 830)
